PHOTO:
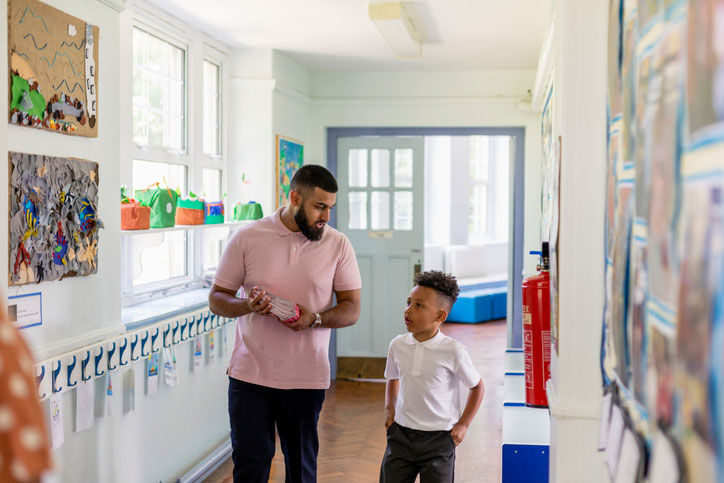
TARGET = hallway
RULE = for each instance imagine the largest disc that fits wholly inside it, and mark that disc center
(352, 436)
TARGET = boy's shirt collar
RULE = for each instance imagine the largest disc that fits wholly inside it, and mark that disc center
(430, 343)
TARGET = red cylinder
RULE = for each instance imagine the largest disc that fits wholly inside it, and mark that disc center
(537, 337)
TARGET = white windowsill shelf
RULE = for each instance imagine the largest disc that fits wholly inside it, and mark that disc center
(185, 227)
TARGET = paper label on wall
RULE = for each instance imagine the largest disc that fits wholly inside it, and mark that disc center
(664, 463)
(615, 436)
(56, 420)
(605, 421)
(130, 394)
(168, 367)
(211, 344)
(152, 374)
(109, 395)
(629, 459)
(198, 353)
(84, 406)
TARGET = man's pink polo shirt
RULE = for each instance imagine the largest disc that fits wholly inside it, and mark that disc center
(285, 263)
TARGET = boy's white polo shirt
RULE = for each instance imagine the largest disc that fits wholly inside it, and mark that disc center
(435, 376)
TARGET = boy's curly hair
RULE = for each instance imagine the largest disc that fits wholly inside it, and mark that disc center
(443, 283)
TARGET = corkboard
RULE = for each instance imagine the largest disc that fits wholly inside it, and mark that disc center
(53, 61)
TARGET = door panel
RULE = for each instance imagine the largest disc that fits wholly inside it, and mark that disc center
(380, 209)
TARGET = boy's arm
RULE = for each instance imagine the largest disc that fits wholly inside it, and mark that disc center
(391, 390)
(475, 398)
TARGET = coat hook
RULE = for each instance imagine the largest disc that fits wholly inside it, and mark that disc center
(83, 364)
(71, 366)
(110, 354)
(98, 362)
(55, 377)
(121, 350)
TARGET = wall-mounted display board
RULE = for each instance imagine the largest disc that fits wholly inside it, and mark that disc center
(53, 230)
(53, 61)
(663, 334)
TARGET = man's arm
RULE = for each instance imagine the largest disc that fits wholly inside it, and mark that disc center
(391, 390)
(224, 302)
(344, 314)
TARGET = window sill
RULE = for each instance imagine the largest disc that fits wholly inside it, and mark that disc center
(186, 227)
(147, 313)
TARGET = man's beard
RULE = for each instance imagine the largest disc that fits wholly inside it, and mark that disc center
(308, 229)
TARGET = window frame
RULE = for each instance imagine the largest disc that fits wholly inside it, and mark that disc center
(197, 48)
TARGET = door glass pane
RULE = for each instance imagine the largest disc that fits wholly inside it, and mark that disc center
(380, 210)
(478, 209)
(380, 176)
(479, 158)
(403, 210)
(358, 210)
(403, 168)
(357, 162)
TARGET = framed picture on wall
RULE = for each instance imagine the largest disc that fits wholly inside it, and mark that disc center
(290, 157)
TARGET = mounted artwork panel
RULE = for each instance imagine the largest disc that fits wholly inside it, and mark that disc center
(53, 230)
(53, 61)
(290, 157)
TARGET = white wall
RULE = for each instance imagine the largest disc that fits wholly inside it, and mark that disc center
(79, 310)
(575, 385)
(432, 99)
(169, 432)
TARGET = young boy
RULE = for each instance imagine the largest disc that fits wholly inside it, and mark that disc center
(427, 374)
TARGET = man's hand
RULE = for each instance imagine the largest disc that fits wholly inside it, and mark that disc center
(258, 301)
(458, 433)
(304, 321)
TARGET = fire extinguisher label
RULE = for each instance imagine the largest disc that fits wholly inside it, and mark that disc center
(527, 317)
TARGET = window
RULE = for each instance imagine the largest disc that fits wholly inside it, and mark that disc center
(488, 185)
(158, 92)
(175, 151)
(212, 138)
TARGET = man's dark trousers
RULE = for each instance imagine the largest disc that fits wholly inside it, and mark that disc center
(254, 411)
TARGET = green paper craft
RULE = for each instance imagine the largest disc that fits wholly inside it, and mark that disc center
(162, 202)
(21, 89)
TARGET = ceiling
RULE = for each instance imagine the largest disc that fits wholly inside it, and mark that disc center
(338, 34)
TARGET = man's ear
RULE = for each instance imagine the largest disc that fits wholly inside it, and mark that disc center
(296, 198)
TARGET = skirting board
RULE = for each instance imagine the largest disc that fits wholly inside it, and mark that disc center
(209, 464)
(361, 367)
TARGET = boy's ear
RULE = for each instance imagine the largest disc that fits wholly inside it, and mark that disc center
(442, 315)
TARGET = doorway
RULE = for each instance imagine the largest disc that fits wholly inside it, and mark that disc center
(380, 208)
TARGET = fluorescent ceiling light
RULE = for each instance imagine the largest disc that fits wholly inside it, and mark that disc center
(396, 28)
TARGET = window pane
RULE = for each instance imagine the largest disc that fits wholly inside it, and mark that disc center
(357, 162)
(213, 240)
(212, 184)
(403, 210)
(403, 168)
(159, 80)
(157, 257)
(211, 109)
(357, 210)
(479, 158)
(477, 220)
(380, 168)
(380, 210)
(146, 173)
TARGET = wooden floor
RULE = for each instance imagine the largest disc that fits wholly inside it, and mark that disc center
(351, 427)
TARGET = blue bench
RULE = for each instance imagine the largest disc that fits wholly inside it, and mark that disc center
(477, 304)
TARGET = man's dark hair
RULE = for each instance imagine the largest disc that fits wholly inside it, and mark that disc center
(312, 176)
(444, 284)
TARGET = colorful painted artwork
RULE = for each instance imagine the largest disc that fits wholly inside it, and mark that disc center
(290, 157)
(53, 61)
(705, 76)
(53, 218)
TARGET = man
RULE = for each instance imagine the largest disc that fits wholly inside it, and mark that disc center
(278, 371)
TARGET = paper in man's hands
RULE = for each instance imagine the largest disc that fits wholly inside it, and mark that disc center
(281, 308)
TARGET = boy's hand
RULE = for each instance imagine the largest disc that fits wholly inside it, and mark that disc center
(458, 433)
(389, 418)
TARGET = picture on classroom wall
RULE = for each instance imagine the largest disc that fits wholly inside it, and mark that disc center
(53, 230)
(290, 157)
(53, 61)
(705, 76)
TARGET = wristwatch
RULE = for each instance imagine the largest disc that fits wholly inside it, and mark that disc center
(317, 322)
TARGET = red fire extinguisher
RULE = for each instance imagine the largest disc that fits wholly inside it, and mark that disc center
(537, 332)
